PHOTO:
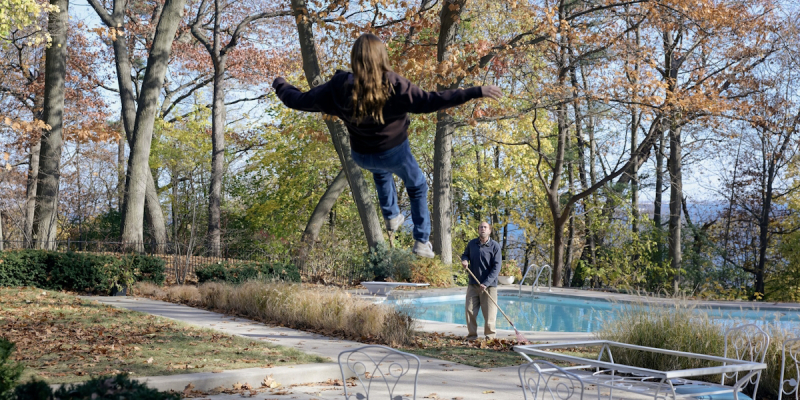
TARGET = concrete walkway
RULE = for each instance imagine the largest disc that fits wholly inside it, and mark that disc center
(438, 379)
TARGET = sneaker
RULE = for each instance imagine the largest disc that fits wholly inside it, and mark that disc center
(395, 223)
(423, 249)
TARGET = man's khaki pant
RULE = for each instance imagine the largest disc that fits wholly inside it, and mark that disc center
(478, 299)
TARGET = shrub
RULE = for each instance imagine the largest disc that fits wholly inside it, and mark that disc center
(215, 272)
(326, 310)
(510, 268)
(79, 271)
(9, 373)
(243, 272)
(23, 268)
(431, 270)
(76, 271)
(382, 262)
(117, 387)
(151, 269)
(460, 276)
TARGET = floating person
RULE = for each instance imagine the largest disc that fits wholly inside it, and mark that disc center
(374, 102)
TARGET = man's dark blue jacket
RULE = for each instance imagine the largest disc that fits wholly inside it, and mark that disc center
(484, 261)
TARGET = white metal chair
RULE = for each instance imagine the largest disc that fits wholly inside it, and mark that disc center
(543, 380)
(381, 365)
(789, 383)
(744, 342)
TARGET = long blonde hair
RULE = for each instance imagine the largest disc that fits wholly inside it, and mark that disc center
(369, 62)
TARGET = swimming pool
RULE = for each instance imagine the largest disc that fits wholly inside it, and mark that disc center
(566, 314)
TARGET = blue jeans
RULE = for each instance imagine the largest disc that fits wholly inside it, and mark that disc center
(399, 161)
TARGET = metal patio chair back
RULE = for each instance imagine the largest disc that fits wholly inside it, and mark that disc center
(790, 378)
(543, 380)
(746, 342)
(378, 372)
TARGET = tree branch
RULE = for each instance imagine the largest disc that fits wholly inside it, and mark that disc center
(243, 24)
(104, 15)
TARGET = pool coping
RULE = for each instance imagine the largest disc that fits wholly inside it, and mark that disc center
(506, 290)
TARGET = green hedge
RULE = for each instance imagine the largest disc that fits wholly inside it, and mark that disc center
(118, 387)
(240, 273)
(74, 271)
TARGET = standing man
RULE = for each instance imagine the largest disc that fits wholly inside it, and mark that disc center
(483, 257)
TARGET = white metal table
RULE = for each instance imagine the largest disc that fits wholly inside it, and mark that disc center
(644, 381)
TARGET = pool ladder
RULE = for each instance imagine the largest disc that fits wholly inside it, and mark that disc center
(536, 283)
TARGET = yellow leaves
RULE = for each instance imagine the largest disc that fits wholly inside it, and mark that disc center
(18, 14)
(268, 382)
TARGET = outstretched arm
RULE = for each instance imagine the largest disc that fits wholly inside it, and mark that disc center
(293, 98)
(420, 101)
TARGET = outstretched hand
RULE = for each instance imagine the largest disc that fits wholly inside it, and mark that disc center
(277, 81)
(491, 91)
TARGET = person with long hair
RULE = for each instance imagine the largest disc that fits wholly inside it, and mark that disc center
(374, 102)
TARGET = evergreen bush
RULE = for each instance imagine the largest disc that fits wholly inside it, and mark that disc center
(84, 272)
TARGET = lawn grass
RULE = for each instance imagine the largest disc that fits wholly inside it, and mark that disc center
(493, 353)
(61, 338)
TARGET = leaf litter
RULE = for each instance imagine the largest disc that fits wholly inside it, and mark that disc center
(61, 338)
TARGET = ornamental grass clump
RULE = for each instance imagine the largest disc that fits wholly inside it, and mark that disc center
(327, 310)
(675, 328)
(682, 327)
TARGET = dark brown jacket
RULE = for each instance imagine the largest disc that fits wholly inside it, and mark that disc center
(369, 137)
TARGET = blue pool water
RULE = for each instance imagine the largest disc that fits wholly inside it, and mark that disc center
(568, 314)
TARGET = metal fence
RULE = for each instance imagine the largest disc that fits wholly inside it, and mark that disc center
(182, 260)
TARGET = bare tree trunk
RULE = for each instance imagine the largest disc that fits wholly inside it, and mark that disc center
(675, 196)
(323, 208)
(587, 253)
(138, 171)
(44, 227)
(323, 211)
(120, 173)
(218, 58)
(154, 215)
(174, 205)
(634, 172)
(769, 174)
(657, 203)
(217, 144)
(441, 221)
(730, 208)
(504, 249)
(2, 238)
(358, 186)
(570, 233)
(30, 193)
(636, 117)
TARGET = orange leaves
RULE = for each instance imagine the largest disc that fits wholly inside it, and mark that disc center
(25, 126)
